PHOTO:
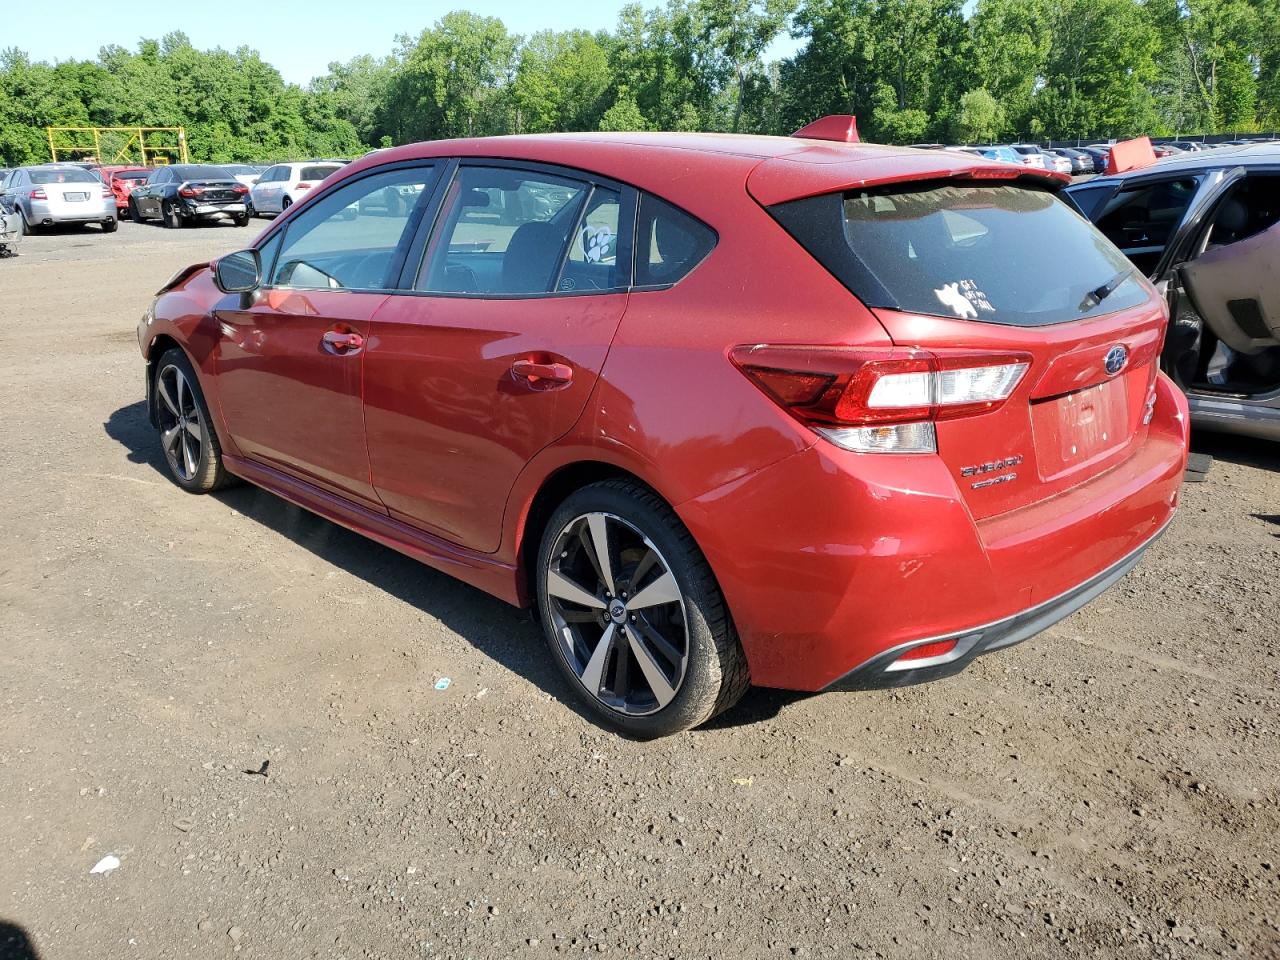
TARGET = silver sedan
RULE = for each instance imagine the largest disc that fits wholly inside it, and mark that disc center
(59, 193)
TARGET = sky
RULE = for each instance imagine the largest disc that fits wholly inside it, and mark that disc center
(300, 40)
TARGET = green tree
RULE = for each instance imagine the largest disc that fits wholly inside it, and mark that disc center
(980, 119)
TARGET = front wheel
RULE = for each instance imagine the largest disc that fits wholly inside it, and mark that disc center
(190, 447)
(633, 614)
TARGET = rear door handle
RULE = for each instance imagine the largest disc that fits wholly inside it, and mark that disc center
(536, 372)
(337, 341)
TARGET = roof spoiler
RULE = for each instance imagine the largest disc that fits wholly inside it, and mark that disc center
(1131, 155)
(840, 127)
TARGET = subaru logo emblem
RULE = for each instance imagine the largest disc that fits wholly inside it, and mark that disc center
(1115, 360)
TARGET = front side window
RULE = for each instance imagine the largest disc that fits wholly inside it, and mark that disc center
(502, 232)
(1142, 220)
(354, 237)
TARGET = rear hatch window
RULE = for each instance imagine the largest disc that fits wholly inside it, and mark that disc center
(971, 250)
(317, 173)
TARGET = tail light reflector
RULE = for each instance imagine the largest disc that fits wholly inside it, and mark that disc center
(927, 650)
(881, 401)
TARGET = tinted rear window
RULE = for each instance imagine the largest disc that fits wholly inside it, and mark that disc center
(984, 251)
(64, 175)
(193, 172)
(317, 173)
(132, 175)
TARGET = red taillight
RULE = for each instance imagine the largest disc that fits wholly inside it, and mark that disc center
(240, 188)
(881, 400)
(185, 191)
(927, 650)
(39, 194)
(304, 186)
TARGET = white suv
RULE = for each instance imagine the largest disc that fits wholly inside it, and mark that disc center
(286, 183)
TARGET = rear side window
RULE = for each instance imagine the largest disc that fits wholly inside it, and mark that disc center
(991, 252)
(669, 243)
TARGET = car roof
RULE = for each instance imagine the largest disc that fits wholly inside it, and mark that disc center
(1266, 153)
(778, 168)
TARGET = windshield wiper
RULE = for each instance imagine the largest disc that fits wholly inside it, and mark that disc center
(1098, 294)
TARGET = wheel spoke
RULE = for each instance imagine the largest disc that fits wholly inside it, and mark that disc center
(180, 385)
(558, 585)
(662, 590)
(644, 566)
(599, 545)
(653, 636)
(195, 430)
(653, 675)
(593, 672)
(188, 455)
(169, 438)
(168, 400)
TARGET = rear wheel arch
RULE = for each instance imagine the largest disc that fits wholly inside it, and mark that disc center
(552, 492)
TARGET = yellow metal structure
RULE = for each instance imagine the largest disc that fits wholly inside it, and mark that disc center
(144, 146)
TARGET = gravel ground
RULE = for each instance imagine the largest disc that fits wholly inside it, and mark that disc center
(1109, 788)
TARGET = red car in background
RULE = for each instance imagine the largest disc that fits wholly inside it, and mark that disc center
(723, 409)
(121, 181)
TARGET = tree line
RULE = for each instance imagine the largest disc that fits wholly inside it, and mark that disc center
(911, 70)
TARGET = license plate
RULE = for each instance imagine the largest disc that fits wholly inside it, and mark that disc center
(1081, 426)
(75, 196)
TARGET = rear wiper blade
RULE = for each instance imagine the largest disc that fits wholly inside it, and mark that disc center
(1098, 294)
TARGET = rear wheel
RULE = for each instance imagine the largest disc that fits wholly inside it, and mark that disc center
(633, 614)
(109, 226)
(190, 447)
(169, 214)
(240, 219)
(134, 213)
(27, 228)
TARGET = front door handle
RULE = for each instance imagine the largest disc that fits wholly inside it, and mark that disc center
(336, 341)
(535, 372)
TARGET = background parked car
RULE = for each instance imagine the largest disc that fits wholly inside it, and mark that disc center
(121, 181)
(1100, 154)
(1205, 227)
(1031, 155)
(1007, 154)
(49, 194)
(1080, 161)
(187, 193)
(246, 173)
(287, 183)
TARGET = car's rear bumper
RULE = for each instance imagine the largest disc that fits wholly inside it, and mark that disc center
(43, 211)
(230, 209)
(889, 670)
(830, 561)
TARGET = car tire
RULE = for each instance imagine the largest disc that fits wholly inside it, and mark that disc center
(240, 219)
(134, 213)
(675, 661)
(170, 216)
(285, 204)
(188, 443)
(251, 211)
(27, 228)
(109, 226)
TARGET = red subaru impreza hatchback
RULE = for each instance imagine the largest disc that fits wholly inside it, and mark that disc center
(724, 410)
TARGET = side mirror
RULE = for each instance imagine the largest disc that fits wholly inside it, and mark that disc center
(238, 272)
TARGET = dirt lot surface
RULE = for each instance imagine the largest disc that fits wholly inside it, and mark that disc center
(1110, 788)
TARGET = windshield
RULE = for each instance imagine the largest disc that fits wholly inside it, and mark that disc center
(979, 250)
(64, 175)
(196, 172)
